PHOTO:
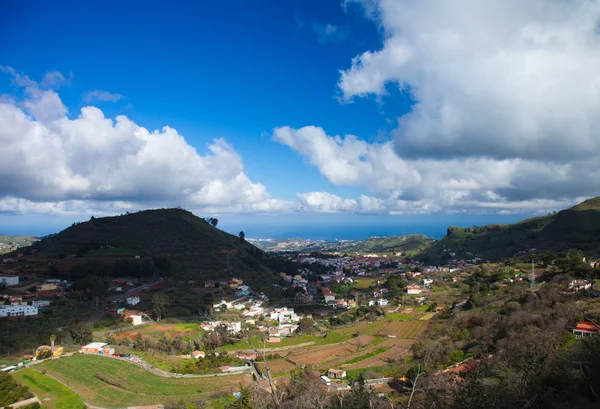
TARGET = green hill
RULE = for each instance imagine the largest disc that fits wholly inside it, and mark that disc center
(413, 243)
(576, 227)
(10, 243)
(190, 245)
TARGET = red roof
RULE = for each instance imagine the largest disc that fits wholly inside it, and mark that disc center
(587, 327)
(326, 291)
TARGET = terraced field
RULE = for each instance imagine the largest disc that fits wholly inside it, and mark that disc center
(130, 385)
(404, 329)
(320, 354)
(278, 366)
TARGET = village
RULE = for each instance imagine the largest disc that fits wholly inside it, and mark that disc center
(242, 332)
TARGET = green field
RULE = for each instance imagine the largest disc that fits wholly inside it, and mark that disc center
(365, 356)
(131, 385)
(364, 283)
(423, 308)
(52, 393)
(371, 328)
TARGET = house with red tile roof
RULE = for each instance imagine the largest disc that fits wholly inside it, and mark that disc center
(586, 328)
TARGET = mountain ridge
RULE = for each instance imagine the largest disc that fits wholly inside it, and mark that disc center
(575, 227)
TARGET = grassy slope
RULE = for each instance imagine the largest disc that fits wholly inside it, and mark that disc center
(136, 386)
(391, 244)
(577, 227)
(52, 393)
(21, 241)
(193, 244)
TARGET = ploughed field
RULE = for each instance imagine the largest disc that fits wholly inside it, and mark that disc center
(373, 344)
(111, 383)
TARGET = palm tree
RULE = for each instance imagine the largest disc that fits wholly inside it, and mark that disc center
(52, 339)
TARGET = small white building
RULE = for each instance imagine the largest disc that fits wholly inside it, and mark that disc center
(414, 289)
(132, 300)
(234, 327)
(40, 304)
(9, 280)
(136, 319)
(328, 295)
(325, 380)
(18, 310)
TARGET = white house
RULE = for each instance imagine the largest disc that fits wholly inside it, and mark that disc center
(40, 304)
(285, 330)
(9, 280)
(427, 282)
(414, 289)
(132, 300)
(382, 302)
(18, 310)
(328, 295)
(234, 327)
(136, 319)
(227, 304)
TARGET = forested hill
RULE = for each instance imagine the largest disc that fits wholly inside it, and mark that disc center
(174, 239)
(576, 227)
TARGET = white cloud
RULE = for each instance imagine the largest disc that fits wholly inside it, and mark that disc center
(54, 80)
(505, 117)
(418, 185)
(326, 202)
(20, 206)
(505, 79)
(54, 164)
(104, 96)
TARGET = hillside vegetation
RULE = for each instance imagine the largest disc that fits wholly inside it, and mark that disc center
(9, 243)
(183, 242)
(576, 227)
(391, 244)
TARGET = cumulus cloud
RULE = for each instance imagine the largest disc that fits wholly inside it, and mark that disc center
(55, 164)
(400, 185)
(502, 79)
(104, 96)
(326, 202)
(505, 115)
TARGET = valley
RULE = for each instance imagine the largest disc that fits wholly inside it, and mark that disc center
(137, 325)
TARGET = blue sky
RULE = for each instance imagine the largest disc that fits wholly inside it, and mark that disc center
(322, 113)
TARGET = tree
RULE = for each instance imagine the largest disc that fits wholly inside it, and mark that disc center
(395, 286)
(213, 221)
(307, 326)
(160, 302)
(242, 236)
(81, 332)
(140, 345)
(244, 401)
(359, 397)
(44, 353)
(52, 339)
